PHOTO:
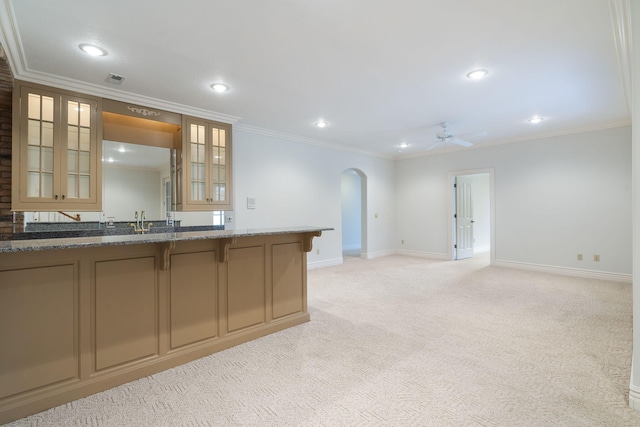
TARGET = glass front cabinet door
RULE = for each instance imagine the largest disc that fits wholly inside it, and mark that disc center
(205, 166)
(57, 163)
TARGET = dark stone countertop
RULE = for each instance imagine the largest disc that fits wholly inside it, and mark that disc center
(133, 239)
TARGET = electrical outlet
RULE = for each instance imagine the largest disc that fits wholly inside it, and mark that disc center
(579, 257)
(596, 258)
(317, 251)
(402, 241)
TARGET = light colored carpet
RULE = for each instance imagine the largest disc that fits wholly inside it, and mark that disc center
(401, 341)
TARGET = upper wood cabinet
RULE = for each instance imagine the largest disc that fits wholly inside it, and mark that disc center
(204, 168)
(56, 151)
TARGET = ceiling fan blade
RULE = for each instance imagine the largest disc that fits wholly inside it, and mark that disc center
(461, 142)
(434, 145)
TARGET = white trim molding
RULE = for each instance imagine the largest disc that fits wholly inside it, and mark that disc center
(420, 254)
(634, 398)
(565, 271)
(325, 263)
(10, 40)
(380, 254)
(304, 140)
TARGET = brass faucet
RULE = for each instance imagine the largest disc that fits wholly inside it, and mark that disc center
(138, 227)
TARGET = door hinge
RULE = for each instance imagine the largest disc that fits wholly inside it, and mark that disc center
(455, 246)
(455, 185)
(455, 216)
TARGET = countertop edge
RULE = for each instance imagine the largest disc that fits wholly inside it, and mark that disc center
(12, 246)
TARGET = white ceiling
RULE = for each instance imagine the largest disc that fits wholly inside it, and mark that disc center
(380, 72)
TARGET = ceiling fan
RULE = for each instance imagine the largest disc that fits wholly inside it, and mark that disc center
(445, 136)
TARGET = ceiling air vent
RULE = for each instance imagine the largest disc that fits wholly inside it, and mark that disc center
(115, 79)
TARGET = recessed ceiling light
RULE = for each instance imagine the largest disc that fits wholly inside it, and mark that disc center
(535, 120)
(220, 87)
(321, 124)
(91, 49)
(404, 145)
(477, 74)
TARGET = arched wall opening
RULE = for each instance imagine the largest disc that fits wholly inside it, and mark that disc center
(354, 218)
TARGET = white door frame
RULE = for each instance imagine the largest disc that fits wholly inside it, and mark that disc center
(492, 202)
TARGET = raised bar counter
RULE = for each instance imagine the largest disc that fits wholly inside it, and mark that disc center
(133, 239)
(81, 315)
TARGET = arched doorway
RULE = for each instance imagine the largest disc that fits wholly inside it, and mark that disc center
(354, 196)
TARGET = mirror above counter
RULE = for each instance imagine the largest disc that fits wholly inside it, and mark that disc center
(139, 182)
(138, 191)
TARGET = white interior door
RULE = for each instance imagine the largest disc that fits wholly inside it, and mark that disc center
(464, 218)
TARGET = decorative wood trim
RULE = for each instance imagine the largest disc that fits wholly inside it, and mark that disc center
(144, 112)
(223, 248)
(141, 111)
(165, 262)
(307, 238)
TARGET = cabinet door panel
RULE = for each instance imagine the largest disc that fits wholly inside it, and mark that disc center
(288, 279)
(125, 311)
(39, 145)
(193, 297)
(246, 286)
(58, 155)
(206, 184)
(38, 328)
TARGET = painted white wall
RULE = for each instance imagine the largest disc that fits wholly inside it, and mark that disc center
(126, 190)
(298, 184)
(555, 197)
(351, 208)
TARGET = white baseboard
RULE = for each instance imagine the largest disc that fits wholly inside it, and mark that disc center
(634, 399)
(567, 271)
(419, 254)
(324, 263)
(372, 255)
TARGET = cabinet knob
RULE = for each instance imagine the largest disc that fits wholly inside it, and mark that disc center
(63, 197)
(56, 197)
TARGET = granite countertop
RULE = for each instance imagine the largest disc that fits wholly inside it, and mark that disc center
(137, 239)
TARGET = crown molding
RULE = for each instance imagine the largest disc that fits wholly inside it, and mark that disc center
(296, 138)
(10, 40)
(119, 95)
(522, 139)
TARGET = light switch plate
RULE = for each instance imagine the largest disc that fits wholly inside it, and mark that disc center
(251, 202)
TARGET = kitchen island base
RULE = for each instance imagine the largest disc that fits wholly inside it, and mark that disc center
(77, 321)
